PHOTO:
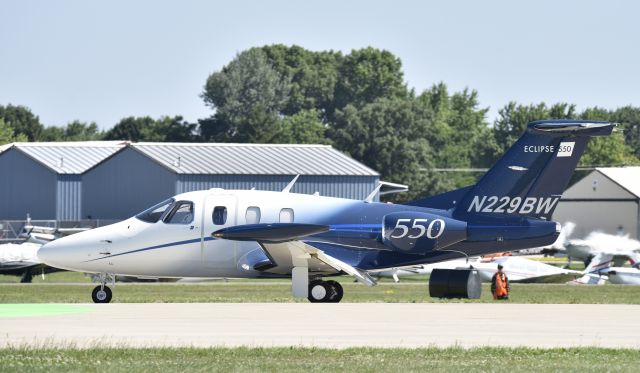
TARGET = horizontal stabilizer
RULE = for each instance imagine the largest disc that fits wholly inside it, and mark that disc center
(276, 232)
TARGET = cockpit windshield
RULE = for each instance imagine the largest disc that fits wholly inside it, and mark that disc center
(153, 214)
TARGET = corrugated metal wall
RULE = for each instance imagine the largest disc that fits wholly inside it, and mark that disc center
(355, 187)
(25, 187)
(129, 182)
(69, 197)
(124, 185)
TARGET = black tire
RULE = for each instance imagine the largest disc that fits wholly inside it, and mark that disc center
(319, 292)
(101, 295)
(336, 291)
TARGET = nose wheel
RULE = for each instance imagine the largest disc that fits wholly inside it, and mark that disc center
(101, 294)
(325, 291)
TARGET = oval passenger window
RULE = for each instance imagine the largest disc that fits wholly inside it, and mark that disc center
(286, 215)
(253, 215)
(219, 215)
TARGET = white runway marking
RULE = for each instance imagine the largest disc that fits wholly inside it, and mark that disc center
(332, 325)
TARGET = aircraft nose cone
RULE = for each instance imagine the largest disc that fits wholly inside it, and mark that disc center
(61, 253)
(47, 252)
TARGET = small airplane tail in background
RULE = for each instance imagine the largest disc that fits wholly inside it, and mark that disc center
(531, 177)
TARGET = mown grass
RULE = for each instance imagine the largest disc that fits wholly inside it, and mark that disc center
(318, 360)
(280, 291)
(57, 277)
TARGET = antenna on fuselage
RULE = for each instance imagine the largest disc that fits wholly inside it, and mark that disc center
(290, 185)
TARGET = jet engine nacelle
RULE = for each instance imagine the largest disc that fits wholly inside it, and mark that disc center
(419, 233)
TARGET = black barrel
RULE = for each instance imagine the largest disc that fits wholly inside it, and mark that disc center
(455, 283)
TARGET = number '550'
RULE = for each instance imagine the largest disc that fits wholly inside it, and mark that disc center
(424, 229)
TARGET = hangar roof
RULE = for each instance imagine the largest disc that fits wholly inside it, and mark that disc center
(252, 159)
(199, 158)
(626, 177)
(73, 157)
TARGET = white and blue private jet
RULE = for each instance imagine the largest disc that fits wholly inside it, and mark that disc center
(264, 234)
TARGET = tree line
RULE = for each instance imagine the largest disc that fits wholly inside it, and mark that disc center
(357, 102)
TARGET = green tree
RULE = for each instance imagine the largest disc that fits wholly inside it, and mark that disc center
(172, 129)
(313, 77)
(248, 96)
(22, 120)
(513, 119)
(7, 134)
(165, 129)
(132, 129)
(606, 150)
(368, 74)
(459, 132)
(628, 118)
(386, 135)
(73, 131)
(304, 127)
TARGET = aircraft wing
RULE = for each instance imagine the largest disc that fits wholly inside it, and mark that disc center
(283, 243)
(551, 279)
(272, 233)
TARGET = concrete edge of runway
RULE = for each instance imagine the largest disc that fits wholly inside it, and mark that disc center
(391, 325)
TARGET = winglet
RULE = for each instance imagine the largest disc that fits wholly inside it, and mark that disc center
(290, 185)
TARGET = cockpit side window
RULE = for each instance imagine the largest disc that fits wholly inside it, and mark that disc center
(181, 213)
(219, 215)
(154, 213)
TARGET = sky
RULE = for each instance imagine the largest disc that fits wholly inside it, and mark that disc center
(102, 61)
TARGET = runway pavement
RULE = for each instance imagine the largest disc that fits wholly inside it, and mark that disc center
(324, 325)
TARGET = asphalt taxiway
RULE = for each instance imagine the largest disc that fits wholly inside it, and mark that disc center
(322, 325)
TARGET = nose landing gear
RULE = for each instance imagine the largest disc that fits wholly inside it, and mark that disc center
(325, 291)
(102, 293)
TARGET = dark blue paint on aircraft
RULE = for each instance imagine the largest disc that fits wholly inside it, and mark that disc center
(508, 209)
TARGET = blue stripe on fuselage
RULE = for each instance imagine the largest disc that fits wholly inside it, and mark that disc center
(363, 226)
(177, 243)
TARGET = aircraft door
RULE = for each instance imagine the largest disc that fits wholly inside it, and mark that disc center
(181, 224)
(219, 212)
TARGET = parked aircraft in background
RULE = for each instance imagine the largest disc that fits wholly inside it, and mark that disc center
(604, 265)
(261, 234)
(623, 275)
(620, 248)
(21, 259)
(517, 269)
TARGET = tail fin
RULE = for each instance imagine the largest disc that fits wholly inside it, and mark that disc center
(530, 178)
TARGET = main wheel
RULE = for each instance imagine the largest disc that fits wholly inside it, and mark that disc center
(101, 294)
(318, 291)
(336, 292)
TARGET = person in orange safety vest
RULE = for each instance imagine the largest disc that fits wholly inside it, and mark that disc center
(500, 284)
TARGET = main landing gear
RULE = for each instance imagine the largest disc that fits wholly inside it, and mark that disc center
(325, 291)
(102, 293)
